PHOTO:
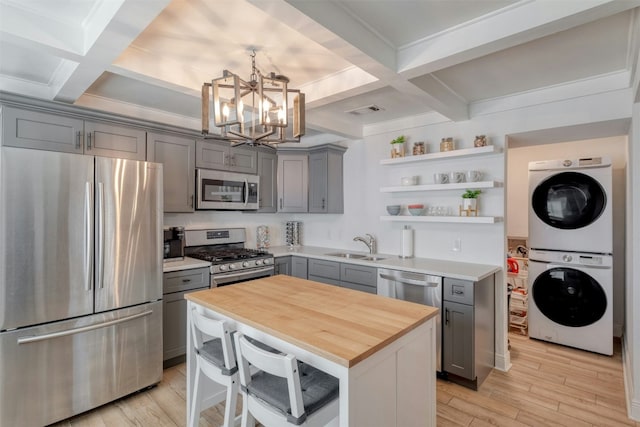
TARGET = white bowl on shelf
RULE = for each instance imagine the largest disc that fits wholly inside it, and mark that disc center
(409, 180)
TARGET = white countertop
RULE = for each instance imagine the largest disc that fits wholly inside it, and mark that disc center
(453, 269)
(184, 264)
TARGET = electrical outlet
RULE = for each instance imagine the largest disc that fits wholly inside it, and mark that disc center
(457, 245)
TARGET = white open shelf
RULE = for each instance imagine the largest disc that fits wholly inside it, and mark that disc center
(489, 149)
(455, 219)
(432, 187)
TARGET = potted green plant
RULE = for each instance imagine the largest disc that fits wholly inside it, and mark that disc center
(397, 146)
(469, 199)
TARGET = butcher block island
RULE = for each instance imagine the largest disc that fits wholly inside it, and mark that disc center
(382, 350)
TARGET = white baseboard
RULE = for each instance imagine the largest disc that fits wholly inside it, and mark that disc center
(633, 405)
(503, 361)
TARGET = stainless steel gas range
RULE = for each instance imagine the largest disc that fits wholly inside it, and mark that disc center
(230, 261)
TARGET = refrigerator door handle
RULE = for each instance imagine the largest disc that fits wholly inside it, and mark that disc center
(36, 338)
(88, 240)
(100, 237)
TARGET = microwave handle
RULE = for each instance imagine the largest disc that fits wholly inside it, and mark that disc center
(246, 191)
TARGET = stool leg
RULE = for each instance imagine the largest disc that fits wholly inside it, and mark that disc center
(196, 395)
(230, 404)
(247, 418)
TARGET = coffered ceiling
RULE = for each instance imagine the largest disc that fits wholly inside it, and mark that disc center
(450, 59)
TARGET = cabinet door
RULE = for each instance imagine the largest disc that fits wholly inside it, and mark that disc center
(108, 140)
(322, 268)
(360, 274)
(178, 158)
(326, 280)
(282, 265)
(299, 267)
(267, 169)
(42, 131)
(244, 160)
(457, 340)
(357, 287)
(293, 172)
(212, 154)
(174, 325)
(318, 185)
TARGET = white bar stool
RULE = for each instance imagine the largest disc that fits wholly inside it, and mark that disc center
(284, 392)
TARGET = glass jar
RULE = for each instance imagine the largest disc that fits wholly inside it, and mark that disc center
(446, 144)
(418, 148)
(480, 141)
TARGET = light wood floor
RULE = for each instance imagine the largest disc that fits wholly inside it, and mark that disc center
(548, 385)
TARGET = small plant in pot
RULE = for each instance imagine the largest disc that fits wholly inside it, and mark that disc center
(470, 199)
(397, 146)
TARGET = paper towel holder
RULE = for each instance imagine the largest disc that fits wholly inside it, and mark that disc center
(407, 243)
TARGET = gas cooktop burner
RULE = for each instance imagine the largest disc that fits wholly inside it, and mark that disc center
(224, 255)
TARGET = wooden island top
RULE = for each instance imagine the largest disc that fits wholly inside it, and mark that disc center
(339, 324)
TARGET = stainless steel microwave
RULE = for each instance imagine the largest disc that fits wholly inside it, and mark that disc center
(226, 190)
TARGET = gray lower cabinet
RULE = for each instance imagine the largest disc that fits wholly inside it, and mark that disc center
(267, 171)
(292, 182)
(299, 267)
(326, 179)
(220, 155)
(347, 275)
(175, 285)
(70, 134)
(282, 265)
(177, 154)
(468, 348)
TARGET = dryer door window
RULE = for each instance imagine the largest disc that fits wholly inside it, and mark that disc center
(569, 200)
(569, 297)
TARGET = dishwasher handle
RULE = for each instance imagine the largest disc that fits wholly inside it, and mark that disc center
(426, 283)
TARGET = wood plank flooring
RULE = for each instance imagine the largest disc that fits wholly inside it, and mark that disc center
(548, 385)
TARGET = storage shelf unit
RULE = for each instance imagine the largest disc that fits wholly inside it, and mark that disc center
(437, 187)
(457, 219)
(489, 149)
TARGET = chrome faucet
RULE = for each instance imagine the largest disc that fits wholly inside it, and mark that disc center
(370, 242)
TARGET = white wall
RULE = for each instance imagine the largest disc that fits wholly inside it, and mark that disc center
(518, 200)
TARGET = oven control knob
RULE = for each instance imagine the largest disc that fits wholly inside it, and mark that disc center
(232, 266)
(267, 261)
(567, 163)
(258, 262)
(567, 258)
(223, 267)
(245, 264)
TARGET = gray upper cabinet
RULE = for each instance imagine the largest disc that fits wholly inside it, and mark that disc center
(220, 155)
(267, 170)
(109, 140)
(69, 134)
(43, 131)
(326, 179)
(177, 154)
(293, 187)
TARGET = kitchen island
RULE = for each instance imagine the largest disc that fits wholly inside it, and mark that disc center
(382, 350)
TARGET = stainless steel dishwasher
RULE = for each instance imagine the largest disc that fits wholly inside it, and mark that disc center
(415, 287)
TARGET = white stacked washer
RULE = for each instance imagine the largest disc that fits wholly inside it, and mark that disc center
(570, 262)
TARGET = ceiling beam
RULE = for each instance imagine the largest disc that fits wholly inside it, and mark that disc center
(105, 41)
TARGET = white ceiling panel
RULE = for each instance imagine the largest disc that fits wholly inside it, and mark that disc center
(585, 51)
(20, 64)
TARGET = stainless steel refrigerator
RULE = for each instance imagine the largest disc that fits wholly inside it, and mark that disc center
(80, 282)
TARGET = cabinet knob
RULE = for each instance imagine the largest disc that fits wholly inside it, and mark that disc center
(186, 280)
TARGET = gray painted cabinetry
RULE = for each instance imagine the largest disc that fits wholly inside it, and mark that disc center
(291, 266)
(326, 179)
(220, 155)
(177, 154)
(292, 182)
(468, 330)
(70, 134)
(267, 170)
(282, 265)
(353, 276)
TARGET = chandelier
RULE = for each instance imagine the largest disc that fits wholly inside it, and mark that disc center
(254, 112)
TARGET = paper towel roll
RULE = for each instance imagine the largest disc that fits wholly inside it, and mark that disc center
(407, 242)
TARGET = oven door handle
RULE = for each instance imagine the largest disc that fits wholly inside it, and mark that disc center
(241, 275)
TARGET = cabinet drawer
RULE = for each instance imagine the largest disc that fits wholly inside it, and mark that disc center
(299, 267)
(358, 274)
(321, 268)
(458, 291)
(185, 280)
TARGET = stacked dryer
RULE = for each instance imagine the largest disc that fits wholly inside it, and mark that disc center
(570, 258)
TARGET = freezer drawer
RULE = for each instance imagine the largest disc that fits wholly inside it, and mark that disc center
(54, 371)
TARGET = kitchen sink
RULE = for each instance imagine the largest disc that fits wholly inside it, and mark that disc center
(347, 255)
(373, 258)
